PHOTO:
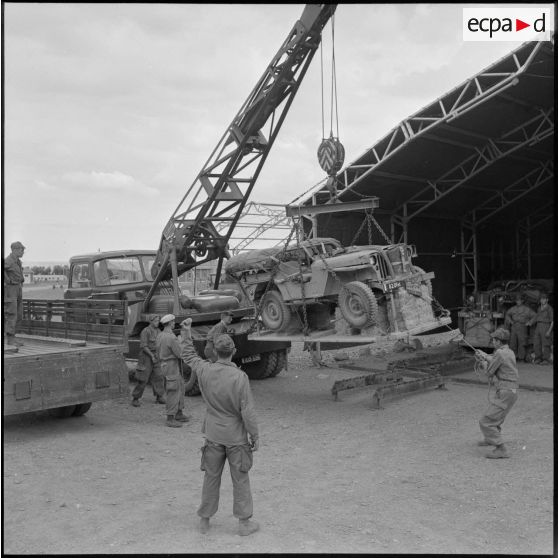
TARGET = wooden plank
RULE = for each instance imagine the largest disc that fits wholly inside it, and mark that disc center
(49, 340)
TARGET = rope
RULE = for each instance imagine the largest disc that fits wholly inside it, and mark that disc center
(322, 86)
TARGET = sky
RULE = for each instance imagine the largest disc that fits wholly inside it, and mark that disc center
(111, 110)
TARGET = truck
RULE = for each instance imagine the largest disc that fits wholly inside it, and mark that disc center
(51, 371)
(485, 310)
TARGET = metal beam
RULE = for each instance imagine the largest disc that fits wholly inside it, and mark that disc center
(307, 210)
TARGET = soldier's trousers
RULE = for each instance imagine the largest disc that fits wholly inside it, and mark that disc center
(240, 462)
(541, 343)
(151, 372)
(518, 340)
(174, 389)
(13, 308)
(494, 416)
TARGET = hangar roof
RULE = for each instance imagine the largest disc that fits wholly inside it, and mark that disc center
(483, 152)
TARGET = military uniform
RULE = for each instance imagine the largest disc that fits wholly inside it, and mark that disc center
(502, 370)
(230, 417)
(13, 304)
(147, 369)
(516, 319)
(541, 343)
(168, 352)
(209, 349)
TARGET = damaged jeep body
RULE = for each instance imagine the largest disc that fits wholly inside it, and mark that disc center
(373, 285)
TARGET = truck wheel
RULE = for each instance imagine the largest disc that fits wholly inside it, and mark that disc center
(63, 412)
(275, 313)
(191, 386)
(269, 366)
(81, 409)
(358, 304)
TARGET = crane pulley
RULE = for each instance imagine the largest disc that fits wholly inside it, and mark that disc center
(331, 153)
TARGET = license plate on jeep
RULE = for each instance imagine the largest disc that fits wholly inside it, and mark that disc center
(393, 285)
(250, 358)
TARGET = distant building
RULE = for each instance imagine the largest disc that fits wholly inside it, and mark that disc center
(49, 278)
(27, 275)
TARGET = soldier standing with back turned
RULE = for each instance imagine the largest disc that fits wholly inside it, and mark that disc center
(13, 303)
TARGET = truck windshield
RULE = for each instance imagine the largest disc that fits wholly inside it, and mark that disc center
(148, 262)
(116, 271)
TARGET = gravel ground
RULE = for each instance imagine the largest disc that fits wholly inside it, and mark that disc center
(330, 477)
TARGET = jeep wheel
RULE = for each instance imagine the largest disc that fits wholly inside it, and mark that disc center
(63, 412)
(275, 313)
(358, 304)
(191, 386)
(269, 366)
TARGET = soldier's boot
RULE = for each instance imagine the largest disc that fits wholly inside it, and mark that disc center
(135, 402)
(204, 525)
(247, 527)
(11, 340)
(161, 400)
(500, 452)
(181, 417)
(172, 422)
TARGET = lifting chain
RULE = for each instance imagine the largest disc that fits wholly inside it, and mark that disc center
(279, 259)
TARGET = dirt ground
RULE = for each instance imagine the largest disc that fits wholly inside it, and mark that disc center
(330, 477)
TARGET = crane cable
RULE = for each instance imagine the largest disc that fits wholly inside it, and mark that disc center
(331, 153)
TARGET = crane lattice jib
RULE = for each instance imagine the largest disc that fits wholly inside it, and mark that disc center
(222, 188)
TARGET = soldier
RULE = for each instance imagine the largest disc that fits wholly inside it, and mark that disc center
(148, 364)
(169, 352)
(516, 321)
(217, 329)
(499, 367)
(542, 340)
(229, 421)
(13, 305)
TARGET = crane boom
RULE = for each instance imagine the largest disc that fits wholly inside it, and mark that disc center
(220, 191)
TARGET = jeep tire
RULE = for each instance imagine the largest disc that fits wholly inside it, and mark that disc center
(358, 305)
(275, 314)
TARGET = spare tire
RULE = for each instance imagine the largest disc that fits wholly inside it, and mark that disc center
(275, 313)
(358, 304)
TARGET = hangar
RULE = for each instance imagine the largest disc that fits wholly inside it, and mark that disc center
(468, 179)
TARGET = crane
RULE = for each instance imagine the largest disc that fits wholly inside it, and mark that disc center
(223, 186)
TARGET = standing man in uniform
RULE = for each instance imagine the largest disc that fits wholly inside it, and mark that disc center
(148, 364)
(543, 331)
(13, 305)
(499, 367)
(217, 329)
(516, 321)
(230, 419)
(169, 352)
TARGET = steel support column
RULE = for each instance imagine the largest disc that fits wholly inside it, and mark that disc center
(469, 257)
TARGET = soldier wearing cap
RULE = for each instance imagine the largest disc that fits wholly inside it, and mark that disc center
(148, 364)
(168, 353)
(516, 321)
(217, 329)
(501, 369)
(542, 339)
(230, 429)
(13, 305)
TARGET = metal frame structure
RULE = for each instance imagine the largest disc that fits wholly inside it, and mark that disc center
(481, 143)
